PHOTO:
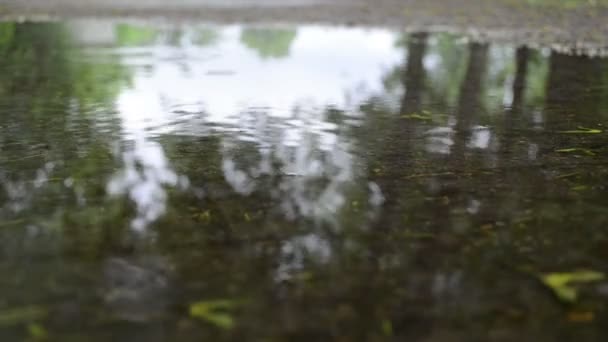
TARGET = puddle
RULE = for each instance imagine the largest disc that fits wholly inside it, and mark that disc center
(195, 182)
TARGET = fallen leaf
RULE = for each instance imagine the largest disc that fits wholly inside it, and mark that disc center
(214, 312)
(22, 315)
(581, 316)
(37, 331)
(582, 130)
(576, 150)
(387, 327)
(562, 284)
(416, 116)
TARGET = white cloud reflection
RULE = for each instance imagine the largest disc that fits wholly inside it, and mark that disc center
(143, 177)
(278, 106)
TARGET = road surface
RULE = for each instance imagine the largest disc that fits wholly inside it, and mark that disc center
(584, 28)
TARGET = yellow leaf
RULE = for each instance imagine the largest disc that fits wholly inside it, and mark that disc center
(37, 331)
(416, 116)
(581, 316)
(21, 315)
(582, 130)
(214, 312)
(562, 284)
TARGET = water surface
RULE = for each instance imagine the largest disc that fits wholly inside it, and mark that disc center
(163, 182)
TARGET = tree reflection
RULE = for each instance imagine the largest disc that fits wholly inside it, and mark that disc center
(582, 103)
(48, 100)
(56, 137)
(471, 93)
(268, 43)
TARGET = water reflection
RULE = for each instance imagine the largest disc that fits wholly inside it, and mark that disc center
(309, 161)
(145, 173)
(286, 131)
(355, 184)
(269, 43)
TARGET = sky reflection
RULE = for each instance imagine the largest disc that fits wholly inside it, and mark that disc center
(277, 106)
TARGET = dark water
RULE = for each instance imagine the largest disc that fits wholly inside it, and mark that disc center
(210, 183)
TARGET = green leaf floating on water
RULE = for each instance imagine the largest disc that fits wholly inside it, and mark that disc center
(424, 116)
(582, 130)
(37, 332)
(214, 312)
(563, 284)
(576, 150)
(21, 315)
